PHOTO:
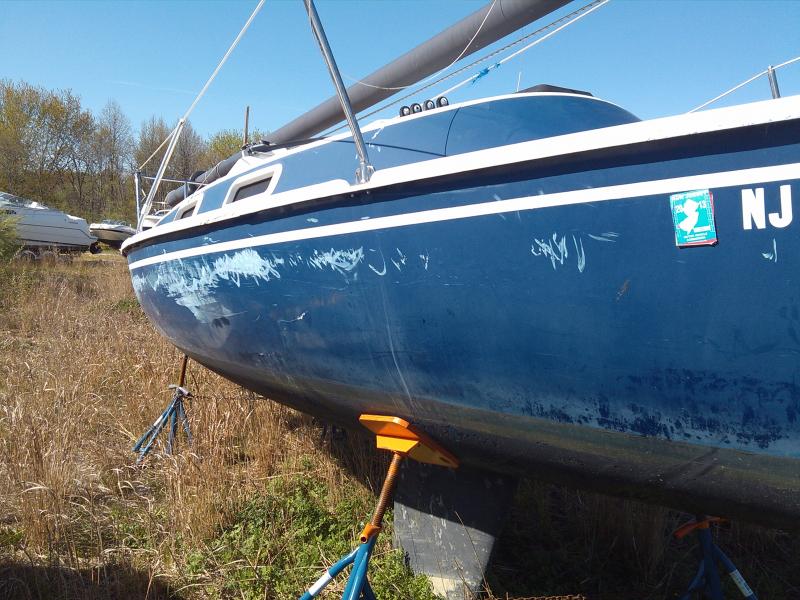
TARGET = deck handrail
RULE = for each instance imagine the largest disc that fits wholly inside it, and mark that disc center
(769, 72)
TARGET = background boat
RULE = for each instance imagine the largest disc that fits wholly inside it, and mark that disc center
(40, 227)
(112, 232)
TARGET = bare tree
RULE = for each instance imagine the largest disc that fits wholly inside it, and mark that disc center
(116, 147)
(78, 158)
(151, 134)
(188, 155)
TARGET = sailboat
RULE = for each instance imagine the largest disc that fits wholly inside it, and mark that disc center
(546, 284)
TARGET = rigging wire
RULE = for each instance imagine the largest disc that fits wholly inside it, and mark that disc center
(474, 78)
(224, 58)
(175, 135)
(440, 71)
(210, 79)
(157, 150)
(571, 17)
(744, 83)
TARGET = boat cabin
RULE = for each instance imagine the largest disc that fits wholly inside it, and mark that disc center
(446, 131)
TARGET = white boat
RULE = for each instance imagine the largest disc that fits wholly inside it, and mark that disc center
(41, 228)
(112, 232)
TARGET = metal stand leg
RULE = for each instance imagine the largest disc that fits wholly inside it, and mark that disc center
(174, 413)
(400, 438)
(707, 580)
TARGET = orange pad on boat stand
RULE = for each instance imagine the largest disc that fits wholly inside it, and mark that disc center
(398, 435)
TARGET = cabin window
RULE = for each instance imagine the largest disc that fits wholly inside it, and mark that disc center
(186, 212)
(253, 189)
(259, 182)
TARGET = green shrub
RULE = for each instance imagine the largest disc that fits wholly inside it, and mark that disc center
(9, 245)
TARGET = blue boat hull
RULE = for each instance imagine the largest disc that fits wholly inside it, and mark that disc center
(542, 322)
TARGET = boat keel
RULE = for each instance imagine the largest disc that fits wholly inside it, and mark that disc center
(446, 521)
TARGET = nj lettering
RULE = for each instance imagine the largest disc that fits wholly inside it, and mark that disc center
(754, 212)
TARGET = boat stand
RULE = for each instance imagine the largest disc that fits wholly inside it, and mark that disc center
(401, 439)
(174, 412)
(707, 580)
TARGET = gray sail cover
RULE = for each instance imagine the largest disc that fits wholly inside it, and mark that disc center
(440, 51)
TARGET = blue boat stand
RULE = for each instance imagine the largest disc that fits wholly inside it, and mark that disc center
(707, 580)
(401, 439)
(174, 413)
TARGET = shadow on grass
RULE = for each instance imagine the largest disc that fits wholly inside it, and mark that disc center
(19, 581)
(563, 541)
(586, 545)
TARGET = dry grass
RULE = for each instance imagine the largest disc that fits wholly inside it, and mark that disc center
(83, 373)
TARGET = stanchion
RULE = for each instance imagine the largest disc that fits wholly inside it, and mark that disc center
(174, 413)
(401, 439)
(707, 580)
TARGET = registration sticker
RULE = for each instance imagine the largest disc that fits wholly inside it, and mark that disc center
(693, 218)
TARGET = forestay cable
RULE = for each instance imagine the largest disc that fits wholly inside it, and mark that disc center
(157, 150)
(173, 137)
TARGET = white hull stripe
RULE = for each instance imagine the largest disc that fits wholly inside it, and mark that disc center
(775, 111)
(602, 194)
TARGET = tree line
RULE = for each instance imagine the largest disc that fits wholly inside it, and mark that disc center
(57, 152)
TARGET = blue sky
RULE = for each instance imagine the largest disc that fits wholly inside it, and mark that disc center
(654, 58)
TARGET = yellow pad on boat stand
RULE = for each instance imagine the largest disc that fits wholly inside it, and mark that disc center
(399, 436)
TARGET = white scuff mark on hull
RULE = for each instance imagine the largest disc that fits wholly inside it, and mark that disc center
(555, 249)
(341, 261)
(192, 284)
(608, 236)
(400, 263)
(580, 253)
(773, 256)
(425, 258)
(298, 318)
(382, 270)
(247, 264)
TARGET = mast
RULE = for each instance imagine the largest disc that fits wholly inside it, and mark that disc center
(492, 22)
(364, 169)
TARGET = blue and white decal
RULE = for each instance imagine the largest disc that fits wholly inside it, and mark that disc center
(693, 218)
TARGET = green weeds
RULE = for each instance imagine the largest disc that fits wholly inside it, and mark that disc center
(280, 541)
(9, 245)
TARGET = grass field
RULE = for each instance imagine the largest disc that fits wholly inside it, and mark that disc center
(262, 502)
